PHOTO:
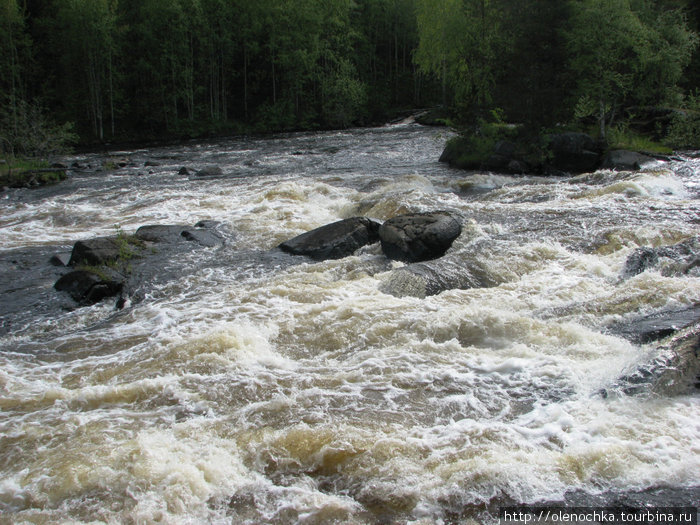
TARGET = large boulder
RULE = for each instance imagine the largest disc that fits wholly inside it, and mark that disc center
(335, 240)
(130, 264)
(625, 160)
(574, 152)
(419, 236)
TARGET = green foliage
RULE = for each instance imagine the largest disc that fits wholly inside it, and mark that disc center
(85, 33)
(458, 43)
(99, 271)
(26, 131)
(620, 137)
(684, 132)
(125, 69)
(472, 150)
(624, 52)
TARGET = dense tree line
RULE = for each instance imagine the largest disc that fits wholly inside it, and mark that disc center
(550, 61)
(137, 68)
(125, 68)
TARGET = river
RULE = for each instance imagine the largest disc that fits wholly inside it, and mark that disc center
(252, 389)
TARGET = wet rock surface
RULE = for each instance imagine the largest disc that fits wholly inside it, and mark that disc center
(419, 236)
(678, 259)
(129, 264)
(672, 369)
(658, 325)
(335, 240)
(176, 233)
(428, 278)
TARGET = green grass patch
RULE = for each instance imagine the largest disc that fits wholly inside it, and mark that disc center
(628, 140)
(23, 173)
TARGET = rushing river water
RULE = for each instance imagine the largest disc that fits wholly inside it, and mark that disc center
(254, 389)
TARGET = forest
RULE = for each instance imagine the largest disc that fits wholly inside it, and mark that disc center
(108, 71)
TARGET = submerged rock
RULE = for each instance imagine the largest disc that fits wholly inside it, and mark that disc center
(433, 277)
(678, 259)
(419, 236)
(60, 259)
(210, 171)
(640, 260)
(673, 369)
(172, 233)
(335, 240)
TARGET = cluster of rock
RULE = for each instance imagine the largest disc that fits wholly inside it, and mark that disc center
(675, 367)
(561, 153)
(109, 266)
(409, 238)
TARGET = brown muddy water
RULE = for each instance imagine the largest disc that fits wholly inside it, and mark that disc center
(250, 389)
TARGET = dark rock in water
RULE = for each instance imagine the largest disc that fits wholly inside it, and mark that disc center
(183, 171)
(173, 233)
(419, 236)
(674, 368)
(657, 325)
(640, 260)
(210, 171)
(60, 259)
(574, 152)
(625, 160)
(151, 163)
(95, 252)
(334, 241)
(87, 287)
(678, 259)
(502, 156)
(161, 233)
(505, 159)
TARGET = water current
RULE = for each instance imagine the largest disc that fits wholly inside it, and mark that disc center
(257, 389)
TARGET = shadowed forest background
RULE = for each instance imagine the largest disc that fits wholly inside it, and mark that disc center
(97, 71)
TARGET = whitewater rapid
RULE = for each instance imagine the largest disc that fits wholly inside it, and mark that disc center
(257, 390)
